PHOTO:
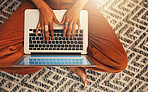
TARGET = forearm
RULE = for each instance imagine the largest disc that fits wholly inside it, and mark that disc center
(39, 3)
(79, 4)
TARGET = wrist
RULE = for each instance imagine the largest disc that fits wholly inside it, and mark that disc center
(39, 3)
(79, 4)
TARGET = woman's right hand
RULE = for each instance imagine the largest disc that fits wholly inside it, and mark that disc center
(47, 17)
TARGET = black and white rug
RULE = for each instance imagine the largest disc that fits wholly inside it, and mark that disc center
(129, 19)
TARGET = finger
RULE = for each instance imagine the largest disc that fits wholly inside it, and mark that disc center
(55, 19)
(63, 20)
(43, 31)
(81, 73)
(47, 33)
(69, 30)
(37, 28)
(73, 29)
(78, 27)
(65, 29)
(51, 30)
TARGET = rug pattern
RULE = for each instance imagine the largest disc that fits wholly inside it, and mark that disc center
(129, 19)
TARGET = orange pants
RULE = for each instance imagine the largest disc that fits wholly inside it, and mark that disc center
(104, 48)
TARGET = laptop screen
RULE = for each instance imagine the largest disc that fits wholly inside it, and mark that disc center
(54, 60)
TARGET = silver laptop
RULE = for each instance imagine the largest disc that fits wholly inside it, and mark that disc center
(59, 51)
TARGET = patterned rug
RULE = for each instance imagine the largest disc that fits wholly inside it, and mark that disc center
(129, 19)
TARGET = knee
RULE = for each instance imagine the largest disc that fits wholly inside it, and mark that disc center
(123, 64)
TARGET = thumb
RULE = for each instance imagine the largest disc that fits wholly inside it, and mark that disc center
(55, 19)
(63, 20)
(81, 73)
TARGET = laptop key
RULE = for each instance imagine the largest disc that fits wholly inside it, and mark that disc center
(46, 48)
(30, 48)
(65, 48)
(64, 42)
(33, 38)
(36, 45)
(40, 45)
(39, 34)
(31, 34)
(34, 48)
(55, 45)
(71, 42)
(41, 38)
(75, 42)
(68, 42)
(30, 41)
(77, 48)
(30, 30)
(80, 42)
(49, 42)
(53, 42)
(80, 35)
(74, 38)
(60, 42)
(60, 38)
(38, 42)
(81, 45)
(66, 45)
(37, 38)
(32, 45)
(47, 45)
(51, 45)
(79, 38)
(34, 30)
(42, 48)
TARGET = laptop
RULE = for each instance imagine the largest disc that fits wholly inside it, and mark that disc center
(59, 51)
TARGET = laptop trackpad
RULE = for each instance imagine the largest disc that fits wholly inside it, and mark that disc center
(55, 60)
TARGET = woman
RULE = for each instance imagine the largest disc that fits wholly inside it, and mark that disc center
(104, 48)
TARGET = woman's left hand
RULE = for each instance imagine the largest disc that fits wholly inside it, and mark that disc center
(71, 18)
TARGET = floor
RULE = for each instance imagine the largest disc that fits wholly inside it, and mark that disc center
(129, 19)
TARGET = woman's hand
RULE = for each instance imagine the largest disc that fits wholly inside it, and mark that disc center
(47, 17)
(71, 18)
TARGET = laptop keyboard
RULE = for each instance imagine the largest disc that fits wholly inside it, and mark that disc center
(58, 43)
